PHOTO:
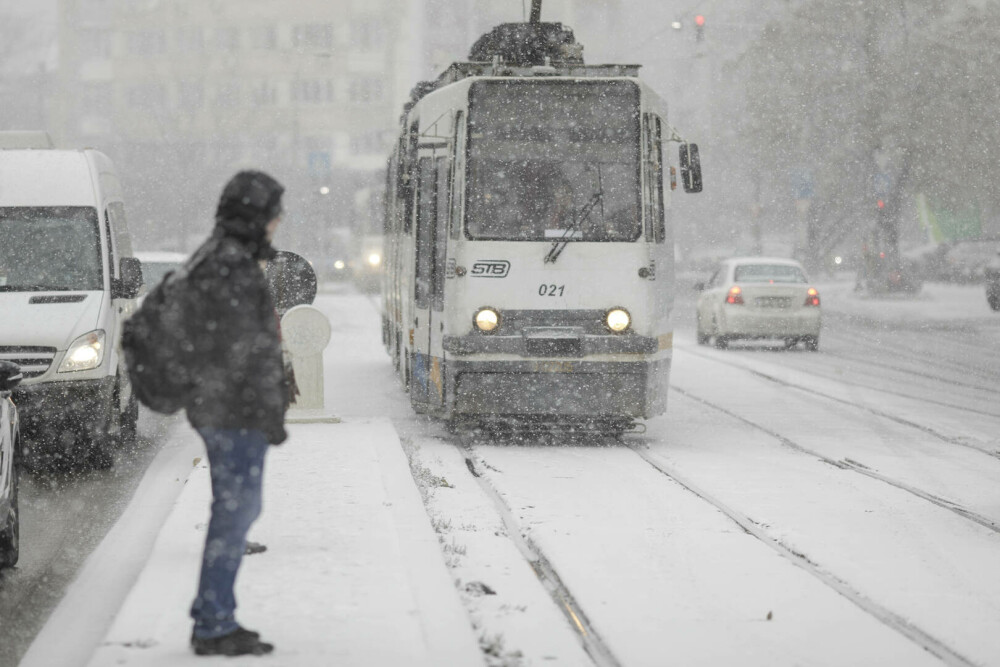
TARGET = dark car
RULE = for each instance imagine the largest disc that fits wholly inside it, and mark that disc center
(961, 261)
(991, 276)
(10, 449)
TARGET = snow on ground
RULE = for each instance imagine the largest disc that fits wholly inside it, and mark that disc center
(829, 567)
(936, 302)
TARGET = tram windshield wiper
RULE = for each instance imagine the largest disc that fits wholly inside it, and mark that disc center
(578, 219)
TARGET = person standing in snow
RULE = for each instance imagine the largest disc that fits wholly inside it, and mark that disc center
(239, 394)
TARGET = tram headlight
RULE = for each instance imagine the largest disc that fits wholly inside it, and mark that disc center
(618, 319)
(487, 320)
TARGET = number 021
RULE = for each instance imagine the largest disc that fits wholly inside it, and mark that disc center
(551, 290)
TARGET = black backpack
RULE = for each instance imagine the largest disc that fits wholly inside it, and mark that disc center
(157, 346)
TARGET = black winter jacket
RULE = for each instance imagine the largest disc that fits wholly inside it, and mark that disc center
(238, 378)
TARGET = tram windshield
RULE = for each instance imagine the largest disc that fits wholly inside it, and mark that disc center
(553, 160)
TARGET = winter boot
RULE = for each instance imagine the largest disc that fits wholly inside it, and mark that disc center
(237, 642)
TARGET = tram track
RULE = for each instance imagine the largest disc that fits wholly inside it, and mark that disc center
(912, 356)
(883, 614)
(927, 430)
(589, 638)
(851, 466)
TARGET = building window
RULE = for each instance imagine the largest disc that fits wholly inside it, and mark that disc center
(146, 96)
(313, 37)
(227, 40)
(191, 95)
(264, 94)
(145, 43)
(94, 43)
(368, 34)
(367, 143)
(96, 98)
(264, 38)
(313, 91)
(367, 90)
(190, 39)
(227, 95)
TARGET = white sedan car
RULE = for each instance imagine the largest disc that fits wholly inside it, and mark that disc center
(751, 298)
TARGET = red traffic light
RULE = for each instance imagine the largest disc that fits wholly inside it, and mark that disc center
(699, 21)
(880, 203)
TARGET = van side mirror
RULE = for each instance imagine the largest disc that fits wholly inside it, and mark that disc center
(690, 168)
(128, 286)
(10, 375)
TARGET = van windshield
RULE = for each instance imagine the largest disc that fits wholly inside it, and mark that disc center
(49, 249)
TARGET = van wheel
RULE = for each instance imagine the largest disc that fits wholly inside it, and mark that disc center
(10, 535)
(130, 423)
(812, 343)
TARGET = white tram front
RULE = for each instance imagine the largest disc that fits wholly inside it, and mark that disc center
(529, 255)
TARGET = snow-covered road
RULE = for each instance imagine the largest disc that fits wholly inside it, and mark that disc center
(792, 508)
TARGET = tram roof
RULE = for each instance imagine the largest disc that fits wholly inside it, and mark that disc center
(464, 70)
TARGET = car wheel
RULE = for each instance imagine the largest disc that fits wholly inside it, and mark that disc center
(130, 423)
(721, 342)
(701, 336)
(10, 535)
(812, 343)
(994, 301)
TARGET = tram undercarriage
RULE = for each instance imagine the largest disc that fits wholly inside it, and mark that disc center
(552, 395)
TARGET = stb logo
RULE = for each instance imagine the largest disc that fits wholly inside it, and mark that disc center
(491, 268)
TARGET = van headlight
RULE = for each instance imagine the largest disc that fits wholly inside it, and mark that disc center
(618, 319)
(487, 320)
(85, 353)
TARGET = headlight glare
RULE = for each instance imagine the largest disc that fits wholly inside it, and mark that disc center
(487, 320)
(374, 259)
(85, 353)
(618, 319)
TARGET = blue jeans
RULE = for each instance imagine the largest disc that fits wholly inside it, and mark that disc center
(236, 461)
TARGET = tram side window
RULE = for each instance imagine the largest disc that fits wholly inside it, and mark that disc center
(457, 160)
(426, 222)
(407, 174)
(439, 237)
(654, 178)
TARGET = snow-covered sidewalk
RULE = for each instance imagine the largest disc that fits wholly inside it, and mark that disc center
(353, 574)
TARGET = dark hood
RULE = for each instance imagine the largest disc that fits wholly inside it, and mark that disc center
(250, 200)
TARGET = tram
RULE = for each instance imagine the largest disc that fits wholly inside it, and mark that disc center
(529, 273)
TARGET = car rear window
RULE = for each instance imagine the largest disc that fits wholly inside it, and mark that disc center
(768, 273)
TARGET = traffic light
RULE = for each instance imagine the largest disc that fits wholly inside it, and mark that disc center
(699, 28)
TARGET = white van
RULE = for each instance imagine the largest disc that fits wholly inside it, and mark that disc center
(68, 280)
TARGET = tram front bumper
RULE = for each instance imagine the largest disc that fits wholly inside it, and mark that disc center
(557, 389)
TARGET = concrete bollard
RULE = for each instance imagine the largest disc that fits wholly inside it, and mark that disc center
(306, 332)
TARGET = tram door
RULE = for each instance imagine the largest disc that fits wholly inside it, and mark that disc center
(431, 253)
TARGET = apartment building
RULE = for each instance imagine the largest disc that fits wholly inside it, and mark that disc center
(182, 93)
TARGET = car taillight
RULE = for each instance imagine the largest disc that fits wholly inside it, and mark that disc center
(812, 297)
(735, 296)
